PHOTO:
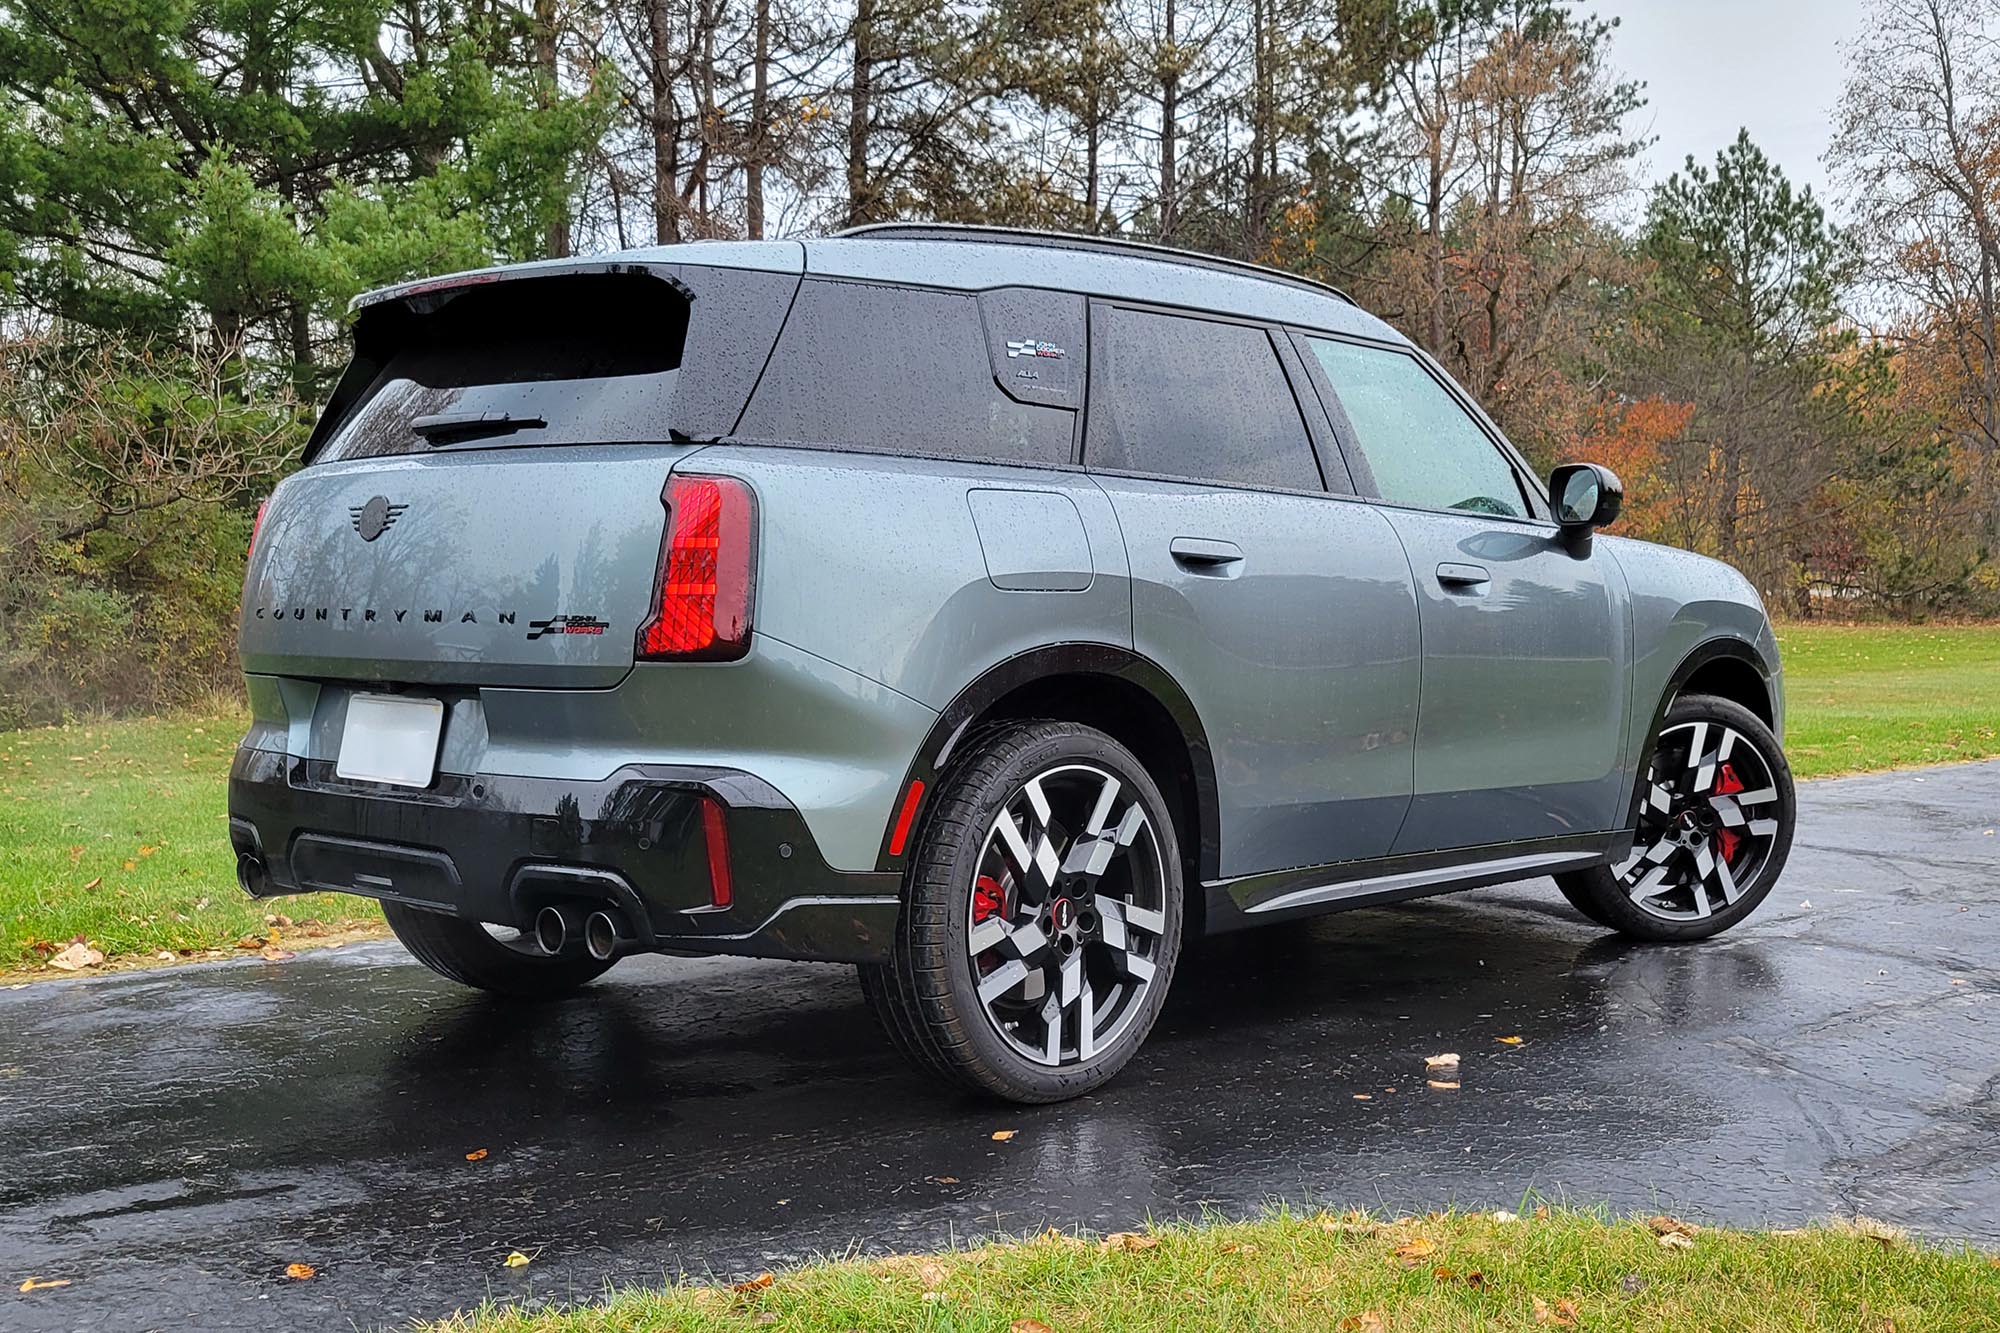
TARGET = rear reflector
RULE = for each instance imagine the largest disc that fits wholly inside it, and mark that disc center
(701, 604)
(715, 836)
(257, 525)
(901, 836)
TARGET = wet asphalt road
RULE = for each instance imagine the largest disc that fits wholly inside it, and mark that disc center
(174, 1139)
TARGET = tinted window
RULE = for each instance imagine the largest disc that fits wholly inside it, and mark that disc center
(1198, 399)
(587, 358)
(1422, 447)
(900, 370)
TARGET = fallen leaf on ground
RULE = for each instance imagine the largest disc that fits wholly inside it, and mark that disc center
(93, 884)
(1029, 1326)
(1669, 1226)
(250, 942)
(944, 1180)
(1449, 1060)
(1002, 1135)
(758, 1283)
(518, 1260)
(1541, 1212)
(130, 864)
(1563, 1315)
(300, 1272)
(1510, 1041)
(1410, 1251)
(1874, 1230)
(164, 956)
(1368, 1321)
(1502, 1215)
(1442, 1274)
(1363, 1097)
(476, 1155)
(271, 953)
(75, 958)
(1449, 1085)
(1476, 1279)
(1675, 1240)
(37, 1284)
(1128, 1242)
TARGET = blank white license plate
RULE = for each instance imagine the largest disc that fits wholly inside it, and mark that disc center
(390, 738)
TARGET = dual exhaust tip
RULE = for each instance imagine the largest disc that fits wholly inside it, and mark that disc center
(570, 928)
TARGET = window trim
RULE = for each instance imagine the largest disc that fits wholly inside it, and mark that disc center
(1317, 434)
(1343, 429)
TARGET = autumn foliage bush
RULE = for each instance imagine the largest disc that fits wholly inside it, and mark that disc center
(129, 479)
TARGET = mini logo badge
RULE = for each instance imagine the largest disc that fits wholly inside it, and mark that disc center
(1034, 347)
(375, 518)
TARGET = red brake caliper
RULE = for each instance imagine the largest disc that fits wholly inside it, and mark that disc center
(989, 897)
(1726, 840)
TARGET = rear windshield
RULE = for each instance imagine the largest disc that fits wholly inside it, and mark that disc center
(582, 358)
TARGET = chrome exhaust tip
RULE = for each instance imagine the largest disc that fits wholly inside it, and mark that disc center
(250, 874)
(607, 935)
(559, 929)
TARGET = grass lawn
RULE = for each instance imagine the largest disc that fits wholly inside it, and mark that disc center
(1868, 697)
(117, 832)
(1439, 1274)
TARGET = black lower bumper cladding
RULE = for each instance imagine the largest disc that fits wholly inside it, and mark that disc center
(498, 849)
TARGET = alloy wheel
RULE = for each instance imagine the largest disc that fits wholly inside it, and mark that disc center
(1708, 818)
(1067, 914)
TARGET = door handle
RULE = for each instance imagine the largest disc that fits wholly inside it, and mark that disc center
(1205, 555)
(1463, 578)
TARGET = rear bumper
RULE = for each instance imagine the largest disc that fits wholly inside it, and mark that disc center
(497, 849)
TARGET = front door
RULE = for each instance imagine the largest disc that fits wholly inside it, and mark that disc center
(1526, 654)
(1286, 613)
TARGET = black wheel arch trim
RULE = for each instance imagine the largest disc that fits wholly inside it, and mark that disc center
(1065, 659)
(1701, 655)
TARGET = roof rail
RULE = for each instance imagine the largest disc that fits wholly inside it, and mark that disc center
(1064, 240)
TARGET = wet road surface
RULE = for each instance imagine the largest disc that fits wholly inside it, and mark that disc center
(174, 1139)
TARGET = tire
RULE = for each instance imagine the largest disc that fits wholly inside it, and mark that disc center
(1076, 965)
(463, 951)
(1580, 897)
(1716, 814)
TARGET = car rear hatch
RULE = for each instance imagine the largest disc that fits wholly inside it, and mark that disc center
(481, 503)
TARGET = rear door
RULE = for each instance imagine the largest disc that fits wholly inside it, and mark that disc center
(1525, 645)
(1284, 610)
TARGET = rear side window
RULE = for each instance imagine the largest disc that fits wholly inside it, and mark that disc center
(1421, 446)
(897, 370)
(1195, 398)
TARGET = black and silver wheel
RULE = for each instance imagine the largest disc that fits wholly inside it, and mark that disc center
(506, 962)
(1714, 827)
(1042, 917)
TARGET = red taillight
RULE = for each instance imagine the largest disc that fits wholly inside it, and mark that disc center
(715, 834)
(701, 605)
(257, 525)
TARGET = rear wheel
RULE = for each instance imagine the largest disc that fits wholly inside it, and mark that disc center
(1041, 917)
(1716, 809)
(473, 955)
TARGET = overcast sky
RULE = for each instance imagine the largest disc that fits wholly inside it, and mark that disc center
(1712, 67)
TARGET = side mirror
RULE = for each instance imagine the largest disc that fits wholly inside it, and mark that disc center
(1584, 497)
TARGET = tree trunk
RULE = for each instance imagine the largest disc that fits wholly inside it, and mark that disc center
(860, 196)
(665, 125)
(760, 125)
(555, 243)
(1170, 95)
